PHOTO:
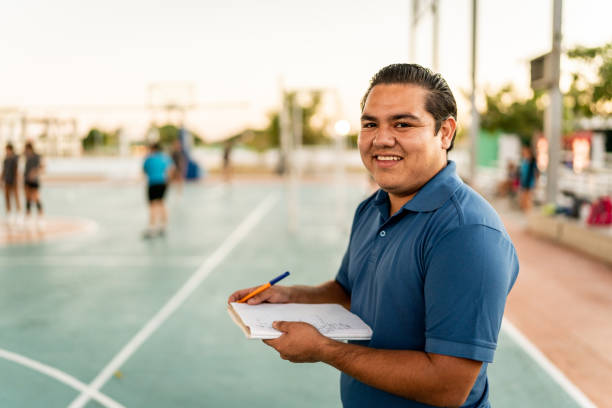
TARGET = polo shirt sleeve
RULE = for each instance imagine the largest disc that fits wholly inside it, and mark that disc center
(342, 275)
(468, 276)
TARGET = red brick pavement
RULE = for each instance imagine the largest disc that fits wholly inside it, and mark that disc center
(562, 302)
(51, 229)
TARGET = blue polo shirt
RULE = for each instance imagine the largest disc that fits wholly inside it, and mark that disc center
(156, 167)
(433, 277)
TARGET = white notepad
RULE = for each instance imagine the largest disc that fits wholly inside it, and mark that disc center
(332, 320)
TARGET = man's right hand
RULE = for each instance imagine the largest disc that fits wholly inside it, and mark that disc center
(274, 294)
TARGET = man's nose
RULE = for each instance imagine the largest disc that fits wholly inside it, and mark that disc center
(384, 138)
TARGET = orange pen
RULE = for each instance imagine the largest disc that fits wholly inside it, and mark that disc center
(263, 287)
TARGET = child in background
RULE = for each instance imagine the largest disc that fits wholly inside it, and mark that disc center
(157, 167)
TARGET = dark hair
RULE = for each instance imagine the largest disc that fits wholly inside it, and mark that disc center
(155, 147)
(29, 146)
(440, 102)
(9, 146)
(527, 147)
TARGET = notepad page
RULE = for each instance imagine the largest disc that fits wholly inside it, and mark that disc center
(332, 320)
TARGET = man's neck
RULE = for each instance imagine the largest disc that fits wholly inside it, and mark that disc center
(398, 201)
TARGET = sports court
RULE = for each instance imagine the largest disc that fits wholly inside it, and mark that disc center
(106, 318)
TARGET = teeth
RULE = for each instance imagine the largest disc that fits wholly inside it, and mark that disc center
(388, 158)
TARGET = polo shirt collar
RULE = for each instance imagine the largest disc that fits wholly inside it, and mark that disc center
(431, 196)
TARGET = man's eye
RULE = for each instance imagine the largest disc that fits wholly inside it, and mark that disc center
(402, 125)
(369, 125)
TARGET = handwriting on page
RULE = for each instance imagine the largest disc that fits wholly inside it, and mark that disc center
(316, 320)
(327, 327)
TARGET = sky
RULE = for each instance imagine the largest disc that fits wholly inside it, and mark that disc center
(237, 53)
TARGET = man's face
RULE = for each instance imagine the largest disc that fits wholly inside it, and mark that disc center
(398, 142)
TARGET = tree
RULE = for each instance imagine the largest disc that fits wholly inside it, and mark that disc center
(590, 93)
(99, 139)
(507, 112)
(313, 126)
(169, 133)
(353, 140)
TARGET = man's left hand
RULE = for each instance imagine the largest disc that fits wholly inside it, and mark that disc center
(299, 343)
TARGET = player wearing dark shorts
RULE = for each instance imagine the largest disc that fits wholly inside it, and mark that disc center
(156, 166)
(9, 179)
(157, 192)
(31, 179)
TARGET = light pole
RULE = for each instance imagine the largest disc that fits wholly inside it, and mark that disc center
(341, 130)
(552, 124)
(417, 13)
(475, 125)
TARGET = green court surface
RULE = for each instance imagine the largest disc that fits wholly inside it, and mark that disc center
(84, 310)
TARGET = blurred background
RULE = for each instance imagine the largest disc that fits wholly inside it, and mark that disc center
(102, 80)
(263, 98)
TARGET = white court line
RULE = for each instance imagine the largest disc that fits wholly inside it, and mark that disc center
(59, 376)
(547, 365)
(177, 300)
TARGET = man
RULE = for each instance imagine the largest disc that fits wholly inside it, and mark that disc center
(31, 181)
(428, 266)
(180, 164)
(157, 167)
(9, 178)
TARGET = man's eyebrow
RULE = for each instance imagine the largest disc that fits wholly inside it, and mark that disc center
(368, 117)
(405, 116)
(398, 116)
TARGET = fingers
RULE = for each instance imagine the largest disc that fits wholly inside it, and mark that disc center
(299, 342)
(271, 342)
(274, 294)
(269, 295)
(239, 294)
(282, 326)
(261, 297)
(275, 344)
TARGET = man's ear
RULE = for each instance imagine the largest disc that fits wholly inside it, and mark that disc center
(446, 132)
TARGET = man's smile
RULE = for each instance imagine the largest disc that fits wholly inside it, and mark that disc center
(387, 157)
(386, 160)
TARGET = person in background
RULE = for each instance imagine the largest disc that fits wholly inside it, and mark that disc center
(180, 164)
(528, 173)
(9, 179)
(228, 146)
(31, 181)
(157, 167)
(509, 186)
